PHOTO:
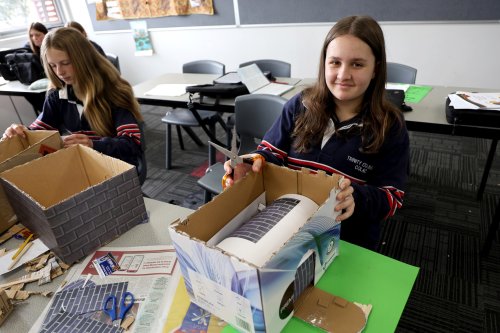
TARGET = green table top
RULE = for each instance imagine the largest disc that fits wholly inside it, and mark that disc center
(366, 277)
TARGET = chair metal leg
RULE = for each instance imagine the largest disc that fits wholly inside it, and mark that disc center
(208, 196)
(492, 230)
(179, 136)
(211, 150)
(487, 167)
(193, 135)
(168, 147)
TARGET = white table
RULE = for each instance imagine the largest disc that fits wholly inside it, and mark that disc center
(155, 232)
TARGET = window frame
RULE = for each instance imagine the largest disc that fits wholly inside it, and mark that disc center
(60, 8)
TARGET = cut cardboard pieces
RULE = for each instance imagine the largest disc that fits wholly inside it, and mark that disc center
(6, 306)
(76, 199)
(255, 298)
(18, 150)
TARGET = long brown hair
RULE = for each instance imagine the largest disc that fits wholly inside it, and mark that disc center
(40, 28)
(96, 83)
(319, 101)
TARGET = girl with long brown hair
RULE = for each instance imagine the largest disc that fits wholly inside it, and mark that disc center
(344, 124)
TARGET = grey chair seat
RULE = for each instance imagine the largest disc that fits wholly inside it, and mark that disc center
(185, 117)
(254, 115)
(276, 67)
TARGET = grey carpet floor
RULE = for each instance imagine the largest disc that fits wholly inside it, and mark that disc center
(440, 228)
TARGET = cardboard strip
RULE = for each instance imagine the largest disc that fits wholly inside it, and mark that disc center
(329, 312)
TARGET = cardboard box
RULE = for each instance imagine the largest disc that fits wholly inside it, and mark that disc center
(19, 150)
(255, 298)
(76, 199)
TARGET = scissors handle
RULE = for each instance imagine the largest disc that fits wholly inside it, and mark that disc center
(111, 311)
(126, 303)
(246, 160)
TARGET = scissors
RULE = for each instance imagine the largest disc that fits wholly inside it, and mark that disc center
(235, 160)
(124, 307)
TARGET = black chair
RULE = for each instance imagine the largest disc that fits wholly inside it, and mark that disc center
(113, 58)
(184, 118)
(254, 115)
(399, 73)
(142, 167)
(276, 67)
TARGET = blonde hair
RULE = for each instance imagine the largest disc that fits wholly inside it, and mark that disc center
(77, 26)
(96, 81)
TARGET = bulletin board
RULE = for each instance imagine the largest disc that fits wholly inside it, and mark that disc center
(223, 15)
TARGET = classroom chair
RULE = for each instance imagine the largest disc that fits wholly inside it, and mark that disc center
(184, 118)
(277, 68)
(113, 58)
(142, 167)
(254, 115)
(399, 73)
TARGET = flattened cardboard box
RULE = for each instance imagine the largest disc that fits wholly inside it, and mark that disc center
(248, 297)
(76, 199)
(16, 151)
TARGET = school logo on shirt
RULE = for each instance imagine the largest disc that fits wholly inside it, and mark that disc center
(359, 165)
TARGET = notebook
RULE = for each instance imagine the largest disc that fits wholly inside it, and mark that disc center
(257, 83)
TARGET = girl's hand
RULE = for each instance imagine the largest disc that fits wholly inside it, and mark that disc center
(242, 169)
(13, 130)
(75, 139)
(346, 200)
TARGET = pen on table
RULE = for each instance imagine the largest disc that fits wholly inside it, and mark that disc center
(21, 247)
(23, 251)
(280, 82)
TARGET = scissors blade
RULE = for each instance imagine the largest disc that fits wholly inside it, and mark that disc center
(233, 157)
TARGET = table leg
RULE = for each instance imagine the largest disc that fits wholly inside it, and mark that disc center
(487, 167)
(492, 230)
(15, 109)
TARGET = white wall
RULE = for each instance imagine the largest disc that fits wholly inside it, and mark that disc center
(465, 55)
(438, 51)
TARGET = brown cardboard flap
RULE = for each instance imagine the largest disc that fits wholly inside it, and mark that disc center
(16, 151)
(63, 174)
(204, 224)
(317, 186)
(329, 312)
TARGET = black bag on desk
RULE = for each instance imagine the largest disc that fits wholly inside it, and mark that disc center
(397, 97)
(477, 117)
(218, 90)
(6, 68)
(26, 66)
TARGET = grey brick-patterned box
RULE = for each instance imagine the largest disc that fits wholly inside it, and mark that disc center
(76, 200)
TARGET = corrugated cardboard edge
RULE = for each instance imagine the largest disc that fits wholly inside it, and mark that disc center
(17, 151)
(329, 312)
(6, 306)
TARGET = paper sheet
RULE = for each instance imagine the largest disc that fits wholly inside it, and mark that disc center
(169, 89)
(34, 251)
(468, 100)
(397, 86)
